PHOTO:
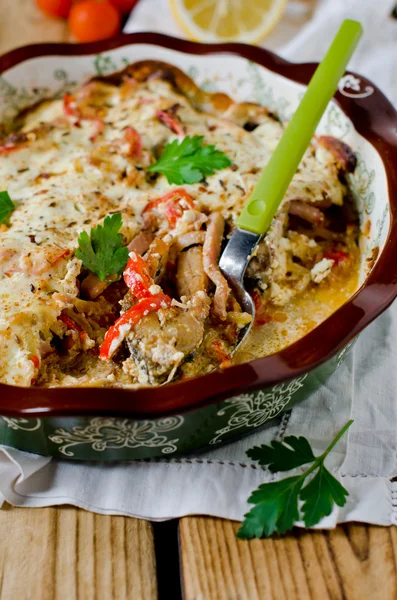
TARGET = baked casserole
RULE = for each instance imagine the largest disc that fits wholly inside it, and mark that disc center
(116, 201)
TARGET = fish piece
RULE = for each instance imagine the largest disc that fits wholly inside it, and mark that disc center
(92, 286)
(141, 242)
(157, 257)
(211, 252)
(191, 238)
(306, 211)
(191, 277)
(161, 341)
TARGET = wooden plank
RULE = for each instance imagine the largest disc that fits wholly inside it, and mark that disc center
(352, 562)
(21, 22)
(67, 553)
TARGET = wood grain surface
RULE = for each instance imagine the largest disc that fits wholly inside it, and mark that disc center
(67, 554)
(22, 23)
(353, 562)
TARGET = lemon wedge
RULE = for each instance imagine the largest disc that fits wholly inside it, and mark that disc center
(246, 21)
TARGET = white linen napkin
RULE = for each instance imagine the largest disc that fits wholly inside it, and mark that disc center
(219, 482)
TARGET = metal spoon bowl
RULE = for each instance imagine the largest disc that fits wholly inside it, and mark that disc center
(233, 264)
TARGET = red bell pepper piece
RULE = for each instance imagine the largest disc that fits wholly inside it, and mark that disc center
(72, 110)
(176, 202)
(99, 127)
(135, 141)
(35, 360)
(171, 122)
(13, 142)
(261, 316)
(70, 106)
(338, 256)
(222, 356)
(7, 148)
(116, 334)
(173, 211)
(70, 324)
(36, 363)
(137, 278)
(60, 257)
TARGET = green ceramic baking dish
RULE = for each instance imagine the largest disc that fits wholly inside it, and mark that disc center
(121, 424)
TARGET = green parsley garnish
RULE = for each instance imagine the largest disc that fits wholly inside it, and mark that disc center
(6, 206)
(189, 161)
(102, 251)
(277, 503)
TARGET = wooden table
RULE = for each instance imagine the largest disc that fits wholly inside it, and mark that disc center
(65, 553)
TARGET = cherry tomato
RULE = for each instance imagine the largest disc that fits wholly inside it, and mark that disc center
(55, 8)
(92, 20)
(124, 6)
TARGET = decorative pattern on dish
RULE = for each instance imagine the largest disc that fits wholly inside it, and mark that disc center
(253, 410)
(337, 124)
(14, 99)
(380, 229)
(350, 82)
(362, 184)
(263, 93)
(22, 424)
(104, 64)
(207, 85)
(110, 433)
(343, 353)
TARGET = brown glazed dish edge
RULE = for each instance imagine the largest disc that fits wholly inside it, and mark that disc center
(376, 120)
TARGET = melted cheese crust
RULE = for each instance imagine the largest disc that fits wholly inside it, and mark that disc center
(66, 179)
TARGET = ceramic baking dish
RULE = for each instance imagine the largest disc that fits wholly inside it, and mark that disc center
(120, 424)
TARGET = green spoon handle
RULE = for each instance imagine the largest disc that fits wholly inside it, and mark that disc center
(273, 183)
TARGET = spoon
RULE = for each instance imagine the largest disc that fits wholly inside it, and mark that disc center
(276, 176)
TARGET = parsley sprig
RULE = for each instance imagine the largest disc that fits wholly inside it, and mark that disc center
(6, 206)
(102, 252)
(189, 161)
(277, 504)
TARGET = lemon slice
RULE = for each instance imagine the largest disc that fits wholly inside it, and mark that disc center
(222, 20)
